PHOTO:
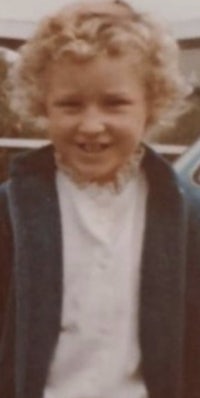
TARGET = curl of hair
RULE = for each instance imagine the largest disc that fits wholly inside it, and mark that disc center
(85, 34)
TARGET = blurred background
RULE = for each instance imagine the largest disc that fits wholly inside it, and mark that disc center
(18, 19)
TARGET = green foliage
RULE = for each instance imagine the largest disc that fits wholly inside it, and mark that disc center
(9, 124)
(187, 128)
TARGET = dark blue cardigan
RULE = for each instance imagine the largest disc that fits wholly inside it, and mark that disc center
(31, 280)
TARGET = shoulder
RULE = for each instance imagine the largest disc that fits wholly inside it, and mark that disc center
(4, 211)
(192, 201)
(165, 185)
(6, 251)
(6, 241)
(33, 162)
(5, 225)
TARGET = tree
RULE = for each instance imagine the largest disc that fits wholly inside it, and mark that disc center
(187, 129)
(9, 123)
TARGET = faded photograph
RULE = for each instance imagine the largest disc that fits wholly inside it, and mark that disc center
(99, 206)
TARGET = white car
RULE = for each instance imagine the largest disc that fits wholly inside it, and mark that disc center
(188, 167)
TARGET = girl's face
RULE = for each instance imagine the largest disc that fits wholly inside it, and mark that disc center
(97, 114)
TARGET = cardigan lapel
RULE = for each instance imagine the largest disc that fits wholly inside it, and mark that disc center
(38, 270)
(162, 282)
(36, 223)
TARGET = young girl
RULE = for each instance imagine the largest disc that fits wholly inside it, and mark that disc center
(96, 234)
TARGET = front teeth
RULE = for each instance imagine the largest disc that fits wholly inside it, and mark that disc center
(93, 147)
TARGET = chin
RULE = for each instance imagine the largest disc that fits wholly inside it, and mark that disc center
(97, 176)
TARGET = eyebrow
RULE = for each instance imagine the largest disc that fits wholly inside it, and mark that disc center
(67, 96)
(117, 93)
(73, 94)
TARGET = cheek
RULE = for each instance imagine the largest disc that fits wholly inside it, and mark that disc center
(129, 140)
(129, 136)
(59, 129)
(61, 123)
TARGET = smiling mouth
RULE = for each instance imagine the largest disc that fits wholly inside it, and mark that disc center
(93, 147)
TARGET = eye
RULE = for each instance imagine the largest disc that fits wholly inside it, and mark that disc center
(68, 104)
(116, 102)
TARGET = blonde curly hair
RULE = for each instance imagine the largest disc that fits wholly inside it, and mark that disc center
(85, 30)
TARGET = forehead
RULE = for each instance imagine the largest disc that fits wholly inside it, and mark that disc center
(100, 73)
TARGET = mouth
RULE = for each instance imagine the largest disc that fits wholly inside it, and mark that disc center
(93, 147)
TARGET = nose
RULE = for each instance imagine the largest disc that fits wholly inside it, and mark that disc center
(91, 122)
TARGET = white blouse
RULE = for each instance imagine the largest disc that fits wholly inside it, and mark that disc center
(98, 353)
